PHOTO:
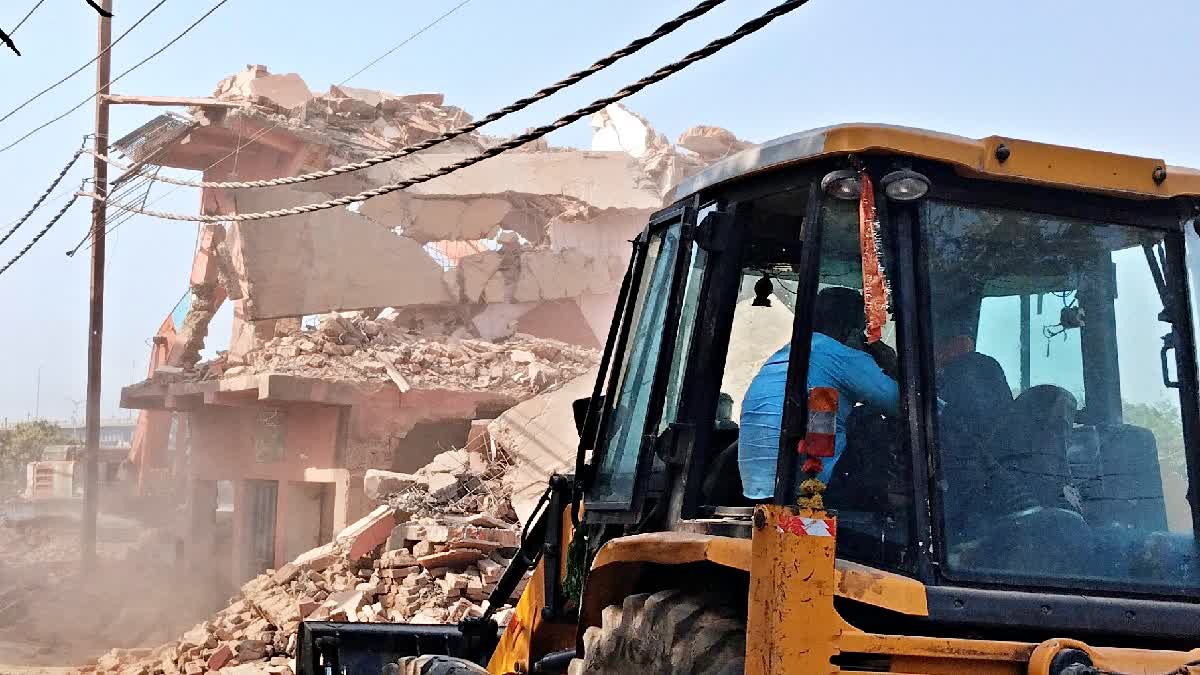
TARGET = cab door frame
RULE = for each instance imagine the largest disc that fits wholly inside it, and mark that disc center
(629, 510)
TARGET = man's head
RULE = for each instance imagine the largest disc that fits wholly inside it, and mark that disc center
(838, 313)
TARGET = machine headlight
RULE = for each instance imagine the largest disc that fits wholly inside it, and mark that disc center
(842, 184)
(905, 185)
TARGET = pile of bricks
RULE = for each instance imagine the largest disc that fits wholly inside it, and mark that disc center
(379, 570)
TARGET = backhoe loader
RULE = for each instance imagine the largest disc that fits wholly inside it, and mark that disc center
(1021, 500)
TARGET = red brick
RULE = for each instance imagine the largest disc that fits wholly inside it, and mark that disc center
(220, 657)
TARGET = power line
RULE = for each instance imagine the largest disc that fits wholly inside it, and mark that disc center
(127, 71)
(25, 18)
(36, 204)
(711, 48)
(516, 106)
(405, 41)
(6, 38)
(58, 216)
(81, 68)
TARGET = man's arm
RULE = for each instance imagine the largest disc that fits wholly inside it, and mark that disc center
(862, 378)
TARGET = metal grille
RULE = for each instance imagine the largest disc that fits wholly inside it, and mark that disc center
(152, 135)
(260, 522)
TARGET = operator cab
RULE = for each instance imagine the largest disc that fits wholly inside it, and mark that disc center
(1038, 330)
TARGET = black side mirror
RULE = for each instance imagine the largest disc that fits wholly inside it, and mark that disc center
(580, 408)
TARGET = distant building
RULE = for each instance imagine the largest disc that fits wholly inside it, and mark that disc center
(113, 433)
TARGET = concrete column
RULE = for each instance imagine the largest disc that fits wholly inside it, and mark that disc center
(202, 516)
(240, 551)
(283, 501)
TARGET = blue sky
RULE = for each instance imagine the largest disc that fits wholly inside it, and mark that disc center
(1114, 75)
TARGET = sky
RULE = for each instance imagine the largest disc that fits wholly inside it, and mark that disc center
(1106, 74)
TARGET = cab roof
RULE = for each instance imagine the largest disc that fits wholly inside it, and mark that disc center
(1026, 162)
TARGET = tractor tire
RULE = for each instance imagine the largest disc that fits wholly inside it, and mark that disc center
(665, 632)
(436, 664)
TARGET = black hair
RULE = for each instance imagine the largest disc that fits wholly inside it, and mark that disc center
(838, 311)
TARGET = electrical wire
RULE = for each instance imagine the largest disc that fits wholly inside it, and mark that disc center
(711, 48)
(516, 106)
(80, 69)
(37, 203)
(6, 38)
(114, 80)
(25, 18)
(405, 41)
(58, 216)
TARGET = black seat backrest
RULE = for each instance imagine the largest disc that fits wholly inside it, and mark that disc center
(1132, 493)
(971, 433)
(1043, 418)
(723, 479)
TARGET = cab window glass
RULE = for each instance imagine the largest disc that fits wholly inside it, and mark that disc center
(618, 465)
(1059, 436)
(689, 310)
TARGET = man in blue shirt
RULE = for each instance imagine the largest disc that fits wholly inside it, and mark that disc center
(836, 361)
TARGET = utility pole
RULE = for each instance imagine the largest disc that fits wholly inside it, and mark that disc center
(96, 317)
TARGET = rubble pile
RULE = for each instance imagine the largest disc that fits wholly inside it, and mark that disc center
(351, 347)
(366, 119)
(417, 558)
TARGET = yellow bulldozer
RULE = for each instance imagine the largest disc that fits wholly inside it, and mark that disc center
(993, 470)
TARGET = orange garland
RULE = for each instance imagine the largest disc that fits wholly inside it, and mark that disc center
(875, 300)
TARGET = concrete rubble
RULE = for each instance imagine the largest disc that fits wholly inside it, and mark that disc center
(350, 347)
(431, 552)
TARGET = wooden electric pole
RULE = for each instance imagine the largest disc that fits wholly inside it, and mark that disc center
(96, 316)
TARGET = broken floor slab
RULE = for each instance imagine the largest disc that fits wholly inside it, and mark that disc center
(333, 259)
(540, 436)
(338, 260)
(602, 179)
(439, 217)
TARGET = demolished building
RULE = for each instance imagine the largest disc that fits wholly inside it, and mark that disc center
(429, 311)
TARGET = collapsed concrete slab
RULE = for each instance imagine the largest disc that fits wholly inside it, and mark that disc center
(602, 179)
(333, 259)
(540, 436)
(438, 217)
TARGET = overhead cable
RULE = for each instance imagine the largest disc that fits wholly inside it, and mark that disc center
(80, 69)
(7, 37)
(26, 17)
(515, 106)
(36, 204)
(127, 71)
(130, 181)
(58, 216)
(662, 73)
(406, 40)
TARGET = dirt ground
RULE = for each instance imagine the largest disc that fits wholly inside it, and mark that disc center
(54, 616)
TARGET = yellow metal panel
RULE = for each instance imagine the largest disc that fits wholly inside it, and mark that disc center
(675, 548)
(791, 625)
(512, 653)
(881, 589)
(854, 581)
(1028, 161)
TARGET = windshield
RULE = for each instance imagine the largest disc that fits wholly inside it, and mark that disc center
(1060, 445)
